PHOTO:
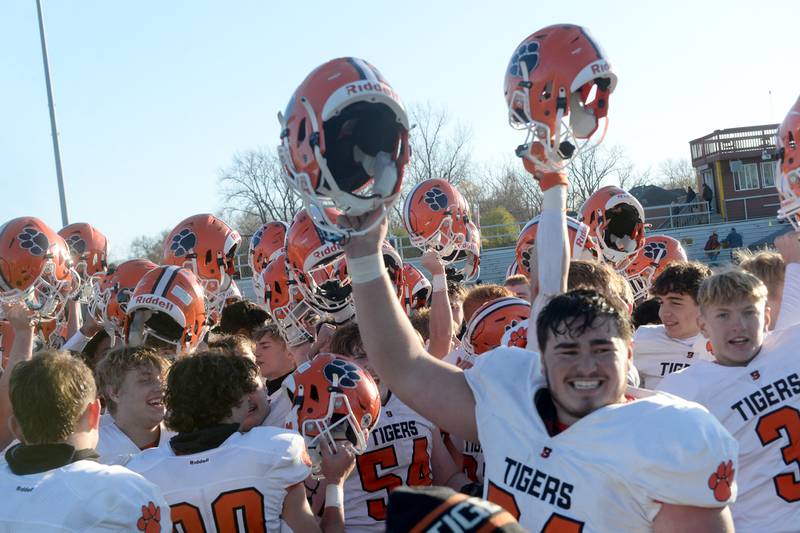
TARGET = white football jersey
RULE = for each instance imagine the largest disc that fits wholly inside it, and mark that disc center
(656, 354)
(116, 448)
(242, 481)
(472, 460)
(789, 314)
(608, 472)
(760, 405)
(79, 497)
(279, 407)
(399, 453)
(455, 357)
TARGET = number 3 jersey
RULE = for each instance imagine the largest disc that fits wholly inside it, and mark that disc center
(610, 471)
(399, 453)
(760, 405)
(242, 481)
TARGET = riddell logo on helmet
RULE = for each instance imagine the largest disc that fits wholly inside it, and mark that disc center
(370, 86)
(153, 300)
(327, 251)
(600, 68)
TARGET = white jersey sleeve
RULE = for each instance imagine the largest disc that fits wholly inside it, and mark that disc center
(790, 299)
(83, 496)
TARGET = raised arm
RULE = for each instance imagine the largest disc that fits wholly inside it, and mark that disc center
(440, 323)
(392, 345)
(21, 350)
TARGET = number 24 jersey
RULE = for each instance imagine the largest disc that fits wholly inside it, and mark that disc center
(611, 470)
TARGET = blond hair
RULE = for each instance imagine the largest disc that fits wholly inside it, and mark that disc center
(731, 286)
(49, 394)
(479, 295)
(766, 265)
(601, 278)
(111, 371)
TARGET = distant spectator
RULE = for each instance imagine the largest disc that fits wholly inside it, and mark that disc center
(733, 239)
(712, 246)
(690, 195)
(708, 195)
(519, 285)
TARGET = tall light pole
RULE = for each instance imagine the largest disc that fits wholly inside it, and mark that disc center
(54, 129)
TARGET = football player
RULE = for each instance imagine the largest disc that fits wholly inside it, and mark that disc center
(51, 480)
(131, 381)
(276, 364)
(753, 388)
(659, 350)
(212, 475)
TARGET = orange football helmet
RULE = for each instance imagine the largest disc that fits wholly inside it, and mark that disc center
(35, 267)
(658, 252)
(6, 341)
(167, 304)
(265, 244)
(487, 326)
(333, 399)
(616, 224)
(437, 217)
(282, 299)
(207, 246)
(52, 333)
(416, 289)
(112, 293)
(310, 261)
(344, 140)
(557, 88)
(788, 171)
(581, 246)
(88, 248)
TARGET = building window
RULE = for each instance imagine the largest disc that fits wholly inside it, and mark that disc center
(746, 179)
(768, 174)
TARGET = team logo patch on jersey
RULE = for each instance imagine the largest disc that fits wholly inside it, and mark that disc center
(150, 521)
(721, 480)
(436, 199)
(546, 452)
(182, 242)
(527, 52)
(346, 372)
(755, 374)
(34, 241)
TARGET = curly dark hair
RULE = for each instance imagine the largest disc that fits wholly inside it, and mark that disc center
(576, 311)
(203, 389)
(242, 317)
(682, 277)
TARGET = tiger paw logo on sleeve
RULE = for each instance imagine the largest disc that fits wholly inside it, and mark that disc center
(150, 521)
(721, 481)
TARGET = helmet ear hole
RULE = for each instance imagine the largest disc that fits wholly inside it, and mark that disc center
(314, 393)
(301, 132)
(209, 257)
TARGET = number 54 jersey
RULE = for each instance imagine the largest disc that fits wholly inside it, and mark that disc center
(611, 470)
(760, 405)
(399, 453)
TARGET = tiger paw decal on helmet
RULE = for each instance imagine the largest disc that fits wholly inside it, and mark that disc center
(346, 372)
(527, 52)
(34, 241)
(436, 199)
(654, 250)
(76, 244)
(182, 242)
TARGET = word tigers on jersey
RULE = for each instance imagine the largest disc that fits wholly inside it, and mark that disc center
(538, 484)
(668, 367)
(759, 401)
(392, 432)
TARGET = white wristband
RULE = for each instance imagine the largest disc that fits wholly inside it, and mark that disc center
(365, 269)
(334, 496)
(439, 283)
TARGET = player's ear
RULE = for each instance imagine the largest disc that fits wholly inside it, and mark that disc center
(92, 414)
(701, 323)
(16, 429)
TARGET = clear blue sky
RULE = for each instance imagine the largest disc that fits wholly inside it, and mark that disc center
(154, 97)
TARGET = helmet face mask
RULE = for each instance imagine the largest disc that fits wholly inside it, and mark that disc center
(788, 167)
(88, 249)
(616, 225)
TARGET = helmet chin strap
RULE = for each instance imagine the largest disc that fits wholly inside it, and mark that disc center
(381, 167)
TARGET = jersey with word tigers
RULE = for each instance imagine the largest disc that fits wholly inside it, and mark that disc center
(760, 405)
(610, 471)
(116, 448)
(79, 497)
(470, 455)
(656, 354)
(399, 453)
(242, 481)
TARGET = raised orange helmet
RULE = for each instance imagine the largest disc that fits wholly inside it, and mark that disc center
(788, 171)
(416, 289)
(581, 246)
(207, 246)
(112, 293)
(616, 224)
(487, 326)
(265, 244)
(557, 88)
(167, 304)
(333, 399)
(282, 299)
(52, 333)
(437, 217)
(35, 267)
(658, 252)
(344, 140)
(310, 257)
(88, 248)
